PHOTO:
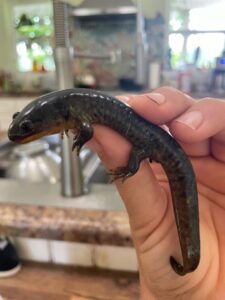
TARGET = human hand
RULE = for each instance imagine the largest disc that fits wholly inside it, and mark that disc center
(199, 126)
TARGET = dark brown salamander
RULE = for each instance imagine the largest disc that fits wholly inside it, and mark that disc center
(79, 109)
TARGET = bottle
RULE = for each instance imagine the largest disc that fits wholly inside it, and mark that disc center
(35, 66)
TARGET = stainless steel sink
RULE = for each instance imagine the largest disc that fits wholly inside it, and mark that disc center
(101, 195)
(40, 161)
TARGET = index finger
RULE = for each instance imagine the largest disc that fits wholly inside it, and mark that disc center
(161, 106)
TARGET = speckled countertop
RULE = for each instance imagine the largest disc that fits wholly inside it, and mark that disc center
(39, 211)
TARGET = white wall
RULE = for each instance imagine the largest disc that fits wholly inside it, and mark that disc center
(151, 7)
(7, 48)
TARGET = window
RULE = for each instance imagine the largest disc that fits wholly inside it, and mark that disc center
(176, 43)
(34, 28)
(207, 18)
(209, 45)
(197, 35)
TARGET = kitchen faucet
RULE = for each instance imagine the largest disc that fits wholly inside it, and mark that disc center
(72, 183)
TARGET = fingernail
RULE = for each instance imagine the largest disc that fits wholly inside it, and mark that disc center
(156, 97)
(123, 98)
(192, 119)
(95, 146)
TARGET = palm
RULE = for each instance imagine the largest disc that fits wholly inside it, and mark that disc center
(210, 175)
(212, 211)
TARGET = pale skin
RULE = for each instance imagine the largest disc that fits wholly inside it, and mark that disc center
(199, 126)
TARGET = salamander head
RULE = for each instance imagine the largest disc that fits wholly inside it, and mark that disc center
(41, 117)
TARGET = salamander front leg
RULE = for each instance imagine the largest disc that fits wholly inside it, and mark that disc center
(84, 134)
(135, 158)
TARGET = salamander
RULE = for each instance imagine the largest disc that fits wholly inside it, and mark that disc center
(78, 109)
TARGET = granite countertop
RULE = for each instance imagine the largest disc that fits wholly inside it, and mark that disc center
(93, 218)
(76, 225)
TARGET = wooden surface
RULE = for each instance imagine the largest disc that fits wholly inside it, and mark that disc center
(50, 282)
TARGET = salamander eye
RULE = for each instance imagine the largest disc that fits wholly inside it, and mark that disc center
(15, 115)
(26, 125)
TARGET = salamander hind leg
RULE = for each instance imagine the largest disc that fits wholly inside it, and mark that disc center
(135, 158)
(84, 134)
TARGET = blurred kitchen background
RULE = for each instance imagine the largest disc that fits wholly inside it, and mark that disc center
(182, 44)
(59, 209)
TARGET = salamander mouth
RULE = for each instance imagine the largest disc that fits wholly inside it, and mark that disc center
(23, 139)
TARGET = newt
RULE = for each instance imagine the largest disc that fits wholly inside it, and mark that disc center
(78, 109)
